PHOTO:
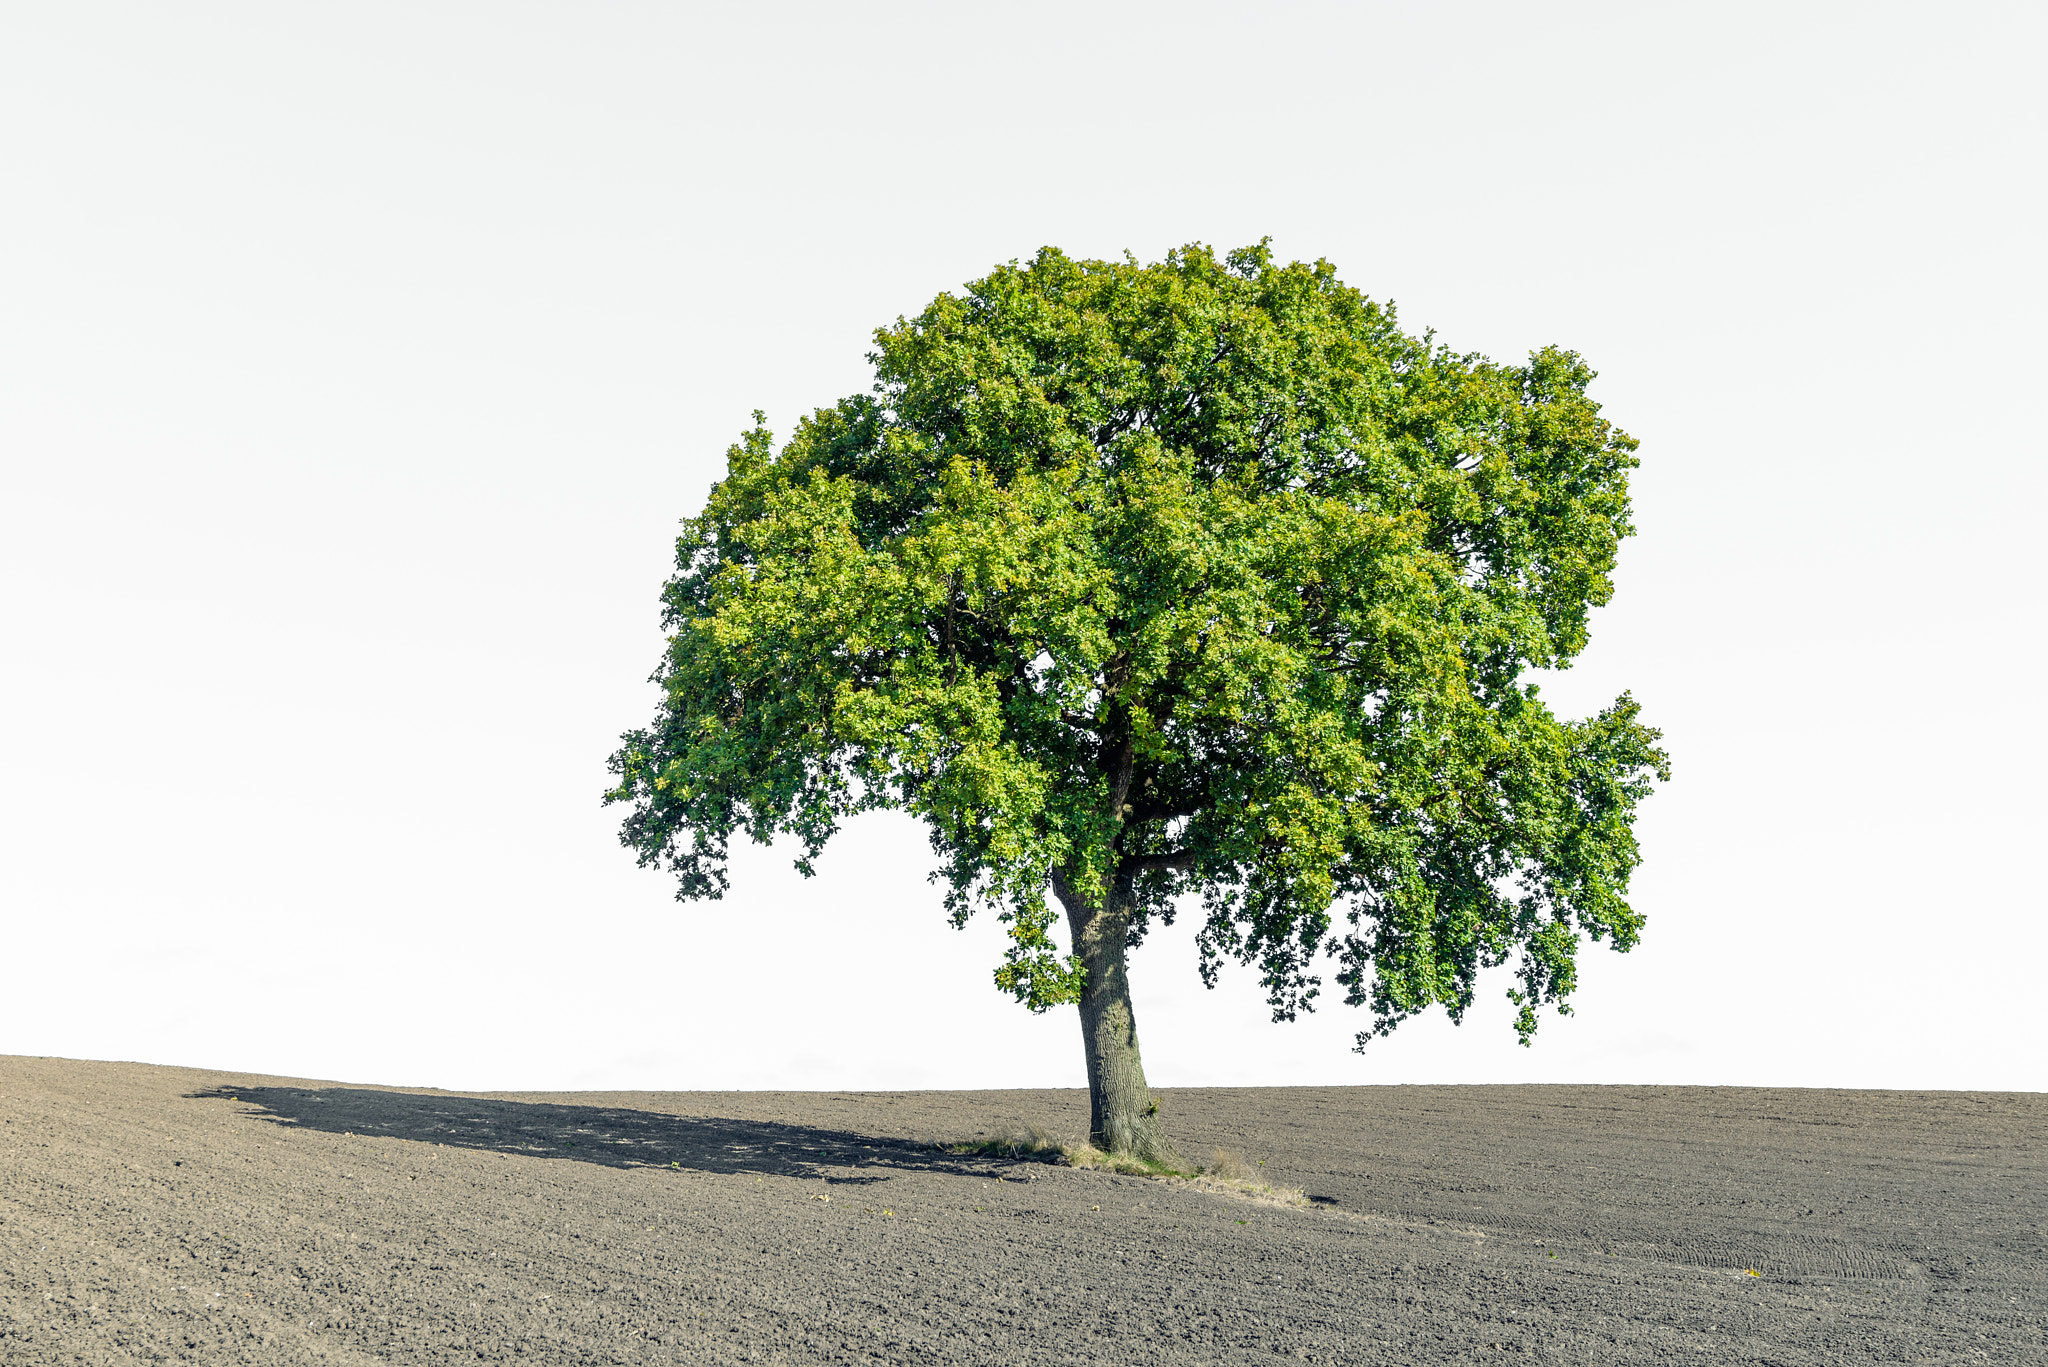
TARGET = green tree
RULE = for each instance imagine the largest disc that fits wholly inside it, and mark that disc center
(1189, 583)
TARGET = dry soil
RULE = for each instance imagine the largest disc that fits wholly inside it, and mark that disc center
(167, 1215)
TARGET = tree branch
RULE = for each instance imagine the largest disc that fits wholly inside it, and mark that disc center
(1166, 810)
(952, 644)
(1176, 859)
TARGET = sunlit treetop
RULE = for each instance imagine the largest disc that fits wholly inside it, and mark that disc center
(1196, 584)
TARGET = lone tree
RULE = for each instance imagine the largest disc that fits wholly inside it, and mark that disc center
(1197, 580)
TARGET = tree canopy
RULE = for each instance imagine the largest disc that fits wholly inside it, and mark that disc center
(1193, 584)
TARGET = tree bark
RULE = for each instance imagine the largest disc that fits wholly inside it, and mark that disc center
(1123, 1115)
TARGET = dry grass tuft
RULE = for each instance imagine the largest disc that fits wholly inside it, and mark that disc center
(1014, 1139)
(1250, 1189)
(1228, 1174)
(1228, 1165)
(1088, 1156)
(1018, 1140)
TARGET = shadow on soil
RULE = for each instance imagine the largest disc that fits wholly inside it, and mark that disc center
(605, 1135)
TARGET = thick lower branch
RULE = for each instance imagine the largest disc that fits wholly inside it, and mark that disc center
(1175, 859)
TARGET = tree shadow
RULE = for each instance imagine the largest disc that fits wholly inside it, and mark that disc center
(610, 1136)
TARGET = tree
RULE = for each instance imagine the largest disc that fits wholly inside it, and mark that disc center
(1197, 582)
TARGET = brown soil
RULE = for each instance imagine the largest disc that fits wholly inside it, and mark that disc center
(161, 1214)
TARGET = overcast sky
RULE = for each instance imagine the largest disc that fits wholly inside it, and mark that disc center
(356, 362)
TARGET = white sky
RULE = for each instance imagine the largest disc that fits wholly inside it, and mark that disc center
(356, 362)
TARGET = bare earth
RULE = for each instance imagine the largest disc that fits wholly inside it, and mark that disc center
(162, 1214)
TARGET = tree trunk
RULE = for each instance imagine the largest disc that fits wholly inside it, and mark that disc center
(1123, 1116)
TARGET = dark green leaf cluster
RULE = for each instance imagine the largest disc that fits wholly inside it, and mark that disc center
(1197, 582)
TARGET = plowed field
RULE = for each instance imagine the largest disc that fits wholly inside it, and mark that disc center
(155, 1214)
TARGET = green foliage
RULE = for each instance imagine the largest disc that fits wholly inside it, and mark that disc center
(1197, 582)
